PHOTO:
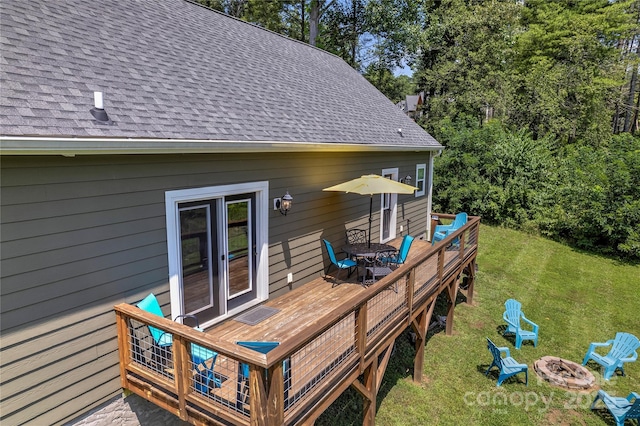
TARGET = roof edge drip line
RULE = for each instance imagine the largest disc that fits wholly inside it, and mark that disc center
(22, 145)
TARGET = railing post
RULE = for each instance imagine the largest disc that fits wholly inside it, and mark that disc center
(181, 378)
(257, 397)
(411, 285)
(275, 398)
(124, 347)
(435, 220)
(361, 333)
(440, 265)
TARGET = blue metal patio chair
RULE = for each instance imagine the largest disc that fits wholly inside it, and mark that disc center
(400, 256)
(242, 390)
(203, 359)
(507, 365)
(340, 264)
(512, 315)
(623, 349)
(442, 231)
(620, 408)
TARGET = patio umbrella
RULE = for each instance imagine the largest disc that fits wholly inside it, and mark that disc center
(372, 184)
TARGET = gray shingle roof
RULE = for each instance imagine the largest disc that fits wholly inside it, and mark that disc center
(172, 69)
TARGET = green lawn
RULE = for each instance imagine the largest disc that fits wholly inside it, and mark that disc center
(575, 297)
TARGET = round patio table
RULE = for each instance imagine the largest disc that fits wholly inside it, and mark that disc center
(366, 250)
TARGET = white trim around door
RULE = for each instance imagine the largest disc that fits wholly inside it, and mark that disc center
(207, 250)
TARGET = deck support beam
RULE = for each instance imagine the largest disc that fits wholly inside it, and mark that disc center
(471, 279)
(372, 379)
(452, 292)
(420, 325)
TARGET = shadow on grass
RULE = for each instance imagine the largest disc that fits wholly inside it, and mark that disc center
(347, 409)
(509, 337)
(606, 416)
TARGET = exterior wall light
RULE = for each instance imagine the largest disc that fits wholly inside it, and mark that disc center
(284, 204)
(406, 180)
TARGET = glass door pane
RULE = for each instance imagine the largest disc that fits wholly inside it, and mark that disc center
(386, 213)
(196, 259)
(239, 247)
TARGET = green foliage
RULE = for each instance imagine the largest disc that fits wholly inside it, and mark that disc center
(489, 171)
(466, 58)
(553, 67)
(582, 194)
(394, 88)
(598, 204)
(569, 67)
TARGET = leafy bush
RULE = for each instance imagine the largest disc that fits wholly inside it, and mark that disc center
(598, 204)
(489, 171)
(589, 196)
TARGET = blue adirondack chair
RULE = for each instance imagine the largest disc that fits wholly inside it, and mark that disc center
(442, 231)
(203, 359)
(623, 349)
(242, 390)
(512, 315)
(621, 408)
(400, 256)
(507, 365)
(340, 264)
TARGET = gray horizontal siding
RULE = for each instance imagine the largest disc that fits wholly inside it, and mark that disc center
(82, 234)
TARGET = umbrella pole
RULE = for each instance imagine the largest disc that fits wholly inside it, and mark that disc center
(370, 217)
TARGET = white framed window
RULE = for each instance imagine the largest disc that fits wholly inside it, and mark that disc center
(421, 179)
(217, 245)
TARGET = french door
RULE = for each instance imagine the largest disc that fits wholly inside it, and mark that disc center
(218, 247)
(388, 209)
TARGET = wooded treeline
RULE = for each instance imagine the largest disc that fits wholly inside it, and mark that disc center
(536, 101)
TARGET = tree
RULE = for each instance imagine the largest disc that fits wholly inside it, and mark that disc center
(343, 29)
(394, 88)
(464, 59)
(568, 67)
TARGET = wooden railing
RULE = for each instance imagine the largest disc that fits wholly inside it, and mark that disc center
(300, 378)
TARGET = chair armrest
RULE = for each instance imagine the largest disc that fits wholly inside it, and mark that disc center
(631, 358)
(443, 228)
(632, 395)
(594, 345)
(508, 321)
(505, 350)
(533, 324)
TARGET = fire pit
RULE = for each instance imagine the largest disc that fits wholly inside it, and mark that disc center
(564, 373)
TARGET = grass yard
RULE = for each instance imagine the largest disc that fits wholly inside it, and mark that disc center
(576, 298)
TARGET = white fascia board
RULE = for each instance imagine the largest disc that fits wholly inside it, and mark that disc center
(23, 145)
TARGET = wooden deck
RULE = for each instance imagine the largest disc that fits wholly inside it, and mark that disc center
(332, 336)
